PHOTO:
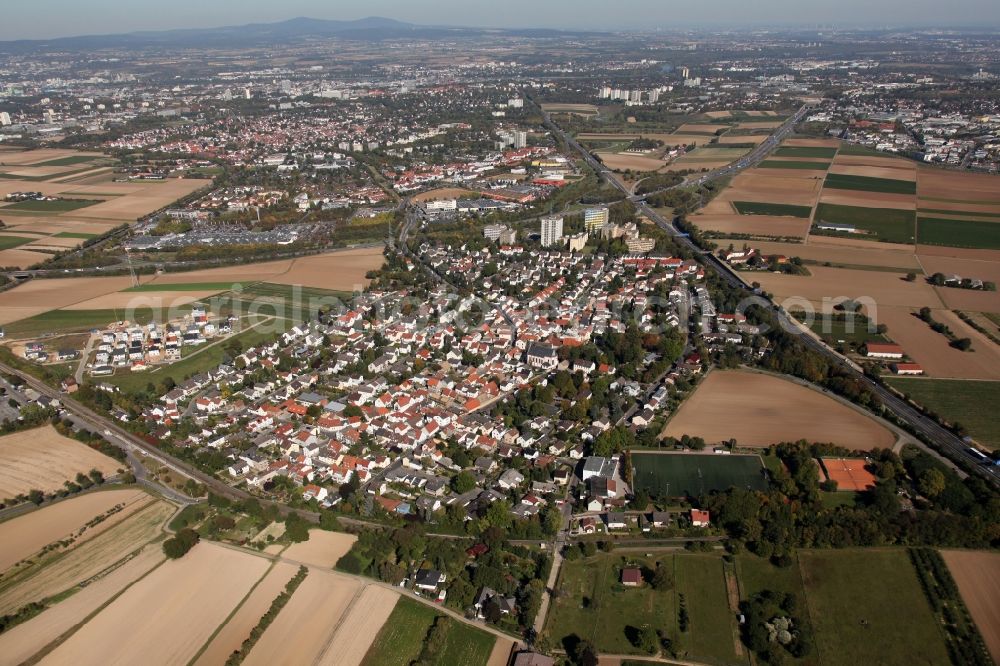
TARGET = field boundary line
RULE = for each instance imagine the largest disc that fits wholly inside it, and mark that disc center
(232, 613)
(340, 621)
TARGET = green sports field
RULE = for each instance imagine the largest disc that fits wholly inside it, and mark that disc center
(680, 474)
(805, 151)
(839, 181)
(757, 208)
(959, 233)
(888, 224)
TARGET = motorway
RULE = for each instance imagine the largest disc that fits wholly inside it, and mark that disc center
(947, 442)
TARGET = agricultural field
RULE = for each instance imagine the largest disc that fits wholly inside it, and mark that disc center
(593, 604)
(869, 184)
(933, 351)
(42, 458)
(727, 404)
(187, 597)
(885, 224)
(693, 474)
(48, 206)
(25, 535)
(755, 208)
(855, 595)
(821, 152)
(58, 572)
(958, 401)
(845, 331)
(830, 285)
(977, 575)
(974, 234)
(356, 633)
(323, 549)
(792, 164)
(401, 639)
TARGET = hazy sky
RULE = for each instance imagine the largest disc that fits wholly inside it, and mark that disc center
(33, 19)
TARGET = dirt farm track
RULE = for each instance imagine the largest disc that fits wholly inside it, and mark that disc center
(759, 409)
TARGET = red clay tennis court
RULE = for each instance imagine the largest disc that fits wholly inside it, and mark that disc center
(849, 473)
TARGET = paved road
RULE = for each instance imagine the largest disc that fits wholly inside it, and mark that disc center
(949, 444)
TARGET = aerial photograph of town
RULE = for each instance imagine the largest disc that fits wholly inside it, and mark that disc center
(465, 334)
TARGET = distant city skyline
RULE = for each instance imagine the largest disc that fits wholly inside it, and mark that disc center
(47, 19)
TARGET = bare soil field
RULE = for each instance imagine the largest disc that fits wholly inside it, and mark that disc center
(970, 300)
(621, 162)
(151, 197)
(959, 207)
(501, 652)
(359, 628)
(868, 199)
(323, 549)
(684, 164)
(958, 252)
(188, 598)
(759, 410)
(19, 258)
(897, 164)
(300, 632)
(787, 188)
(101, 547)
(25, 640)
(977, 574)
(54, 243)
(22, 536)
(811, 143)
(38, 296)
(42, 458)
(343, 270)
(932, 351)
(973, 268)
(872, 171)
(817, 250)
(885, 288)
(678, 139)
(231, 637)
(245, 273)
(757, 225)
(443, 193)
(957, 185)
(41, 155)
(45, 226)
(731, 139)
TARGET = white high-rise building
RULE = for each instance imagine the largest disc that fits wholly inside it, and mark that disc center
(654, 95)
(515, 103)
(552, 230)
(520, 139)
(4, 118)
(635, 96)
(604, 92)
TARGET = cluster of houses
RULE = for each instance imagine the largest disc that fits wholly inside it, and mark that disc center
(380, 392)
(138, 347)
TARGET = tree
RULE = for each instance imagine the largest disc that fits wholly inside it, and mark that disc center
(584, 653)
(662, 580)
(180, 544)
(910, 277)
(36, 496)
(463, 482)
(296, 528)
(931, 483)
(964, 344)
(649, 641)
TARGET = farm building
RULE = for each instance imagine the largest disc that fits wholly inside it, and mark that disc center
(907, 369)
(883, 350)
(632, 577)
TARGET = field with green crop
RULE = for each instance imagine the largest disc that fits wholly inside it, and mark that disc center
(68, 161)
(73, 234)
(806, 151)
(72, 321)
(959, 213)
(888, 224)
(839, 181)
(959, 233)
(757, 208)
(401, 639)
(679, 475)
(53, 206)
(958, 400)
(8, 242)
(789, 164)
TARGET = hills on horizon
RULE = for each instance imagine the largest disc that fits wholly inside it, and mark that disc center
(372, 28)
